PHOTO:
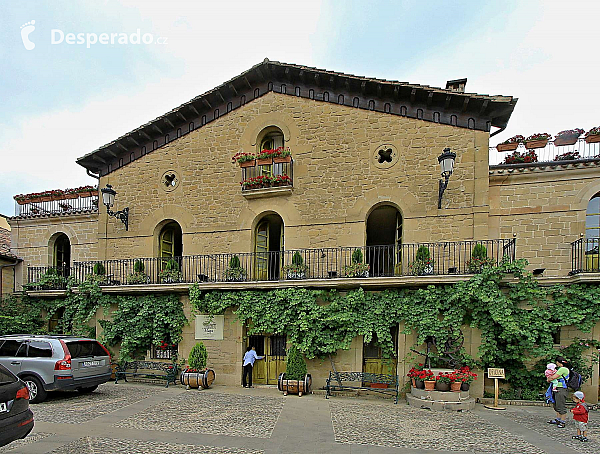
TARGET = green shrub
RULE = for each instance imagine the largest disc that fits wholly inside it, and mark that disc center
(479, 252)
(234, 262)
(357, 256)
(172, 265)
(138, 266)
(99, 269)
(296, 366)
(198, 356)
(423, 253)
(297, 259)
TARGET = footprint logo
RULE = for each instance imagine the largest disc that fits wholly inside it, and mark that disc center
(26, 30)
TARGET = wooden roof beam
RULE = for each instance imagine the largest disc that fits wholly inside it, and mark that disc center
(133, 140)
(379, 90)
(220, 95)
(120, 145)
(429, 98)
(158, 129)
(260, 74)
(180, 115)
(483, 106)
(98, 158)
(143, 133)
(170, 123)
(363, 87)
(396, 92)
(112, 153)
(247, 82)
(447, 103)
(232, 88)
(413, 95)
(465, 103)
(206, 103)
(193, 109)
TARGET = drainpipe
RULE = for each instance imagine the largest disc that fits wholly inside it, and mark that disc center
(97, 177)
(491, 135)
(2, 269)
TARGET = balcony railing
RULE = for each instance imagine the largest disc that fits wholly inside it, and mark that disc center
(64, 206)
(324, 263)
(584, 256)
(551, 151)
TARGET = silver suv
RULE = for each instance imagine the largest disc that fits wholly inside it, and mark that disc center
(49, 363)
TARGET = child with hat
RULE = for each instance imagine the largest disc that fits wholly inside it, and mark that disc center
(580, 416)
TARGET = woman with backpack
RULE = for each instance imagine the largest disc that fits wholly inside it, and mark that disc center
(560, 395)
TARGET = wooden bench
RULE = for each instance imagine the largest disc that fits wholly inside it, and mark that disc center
(381, 383)
(147, 369)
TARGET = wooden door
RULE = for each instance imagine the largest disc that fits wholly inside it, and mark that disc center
(398, 264)
(167, 243)
(276, 357)
(373, 361)
(261, 256)
(259, 372)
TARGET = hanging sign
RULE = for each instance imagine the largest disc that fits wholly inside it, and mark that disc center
(208, 327)
(494, 372)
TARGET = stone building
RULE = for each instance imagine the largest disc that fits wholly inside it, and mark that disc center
(363, 174)
(8, 261)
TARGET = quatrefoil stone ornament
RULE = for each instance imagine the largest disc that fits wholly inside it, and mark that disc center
(169, 180)
(385, 156)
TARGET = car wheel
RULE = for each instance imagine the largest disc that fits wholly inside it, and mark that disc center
(87, 390)
(37, 393)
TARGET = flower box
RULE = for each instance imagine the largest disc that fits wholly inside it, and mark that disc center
(531, 144)
(45, 198)
(566, 140)
(248, 163)
(73, 195)
(593, 138)
(282, 159)
(264, 162)
(507, 147)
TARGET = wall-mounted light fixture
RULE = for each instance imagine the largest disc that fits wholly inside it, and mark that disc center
(108, 198)
(446, 160)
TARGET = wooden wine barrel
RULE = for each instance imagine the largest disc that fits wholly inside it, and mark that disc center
(208, 377)
(294, 386)
(202, 379)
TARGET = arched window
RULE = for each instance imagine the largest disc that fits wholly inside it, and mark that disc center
(384, 241)
(592, 218)
(61, 254)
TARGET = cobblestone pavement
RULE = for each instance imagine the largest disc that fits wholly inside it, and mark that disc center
(138, 418)
(402, 426)
(114, 446)
(75, 408)
(211, 413)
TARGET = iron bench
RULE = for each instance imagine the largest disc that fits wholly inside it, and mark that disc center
(147, 369)
(384, 383)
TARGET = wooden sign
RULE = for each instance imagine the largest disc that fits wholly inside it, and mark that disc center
(494, 372)
(208, 327)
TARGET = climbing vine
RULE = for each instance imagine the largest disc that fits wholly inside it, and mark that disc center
(517, 317)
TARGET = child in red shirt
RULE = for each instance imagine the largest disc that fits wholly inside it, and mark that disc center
(580, 416)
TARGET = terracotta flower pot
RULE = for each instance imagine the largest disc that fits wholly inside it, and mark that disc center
(248, 163)
(442, 386)
(507, 146)
(465, 386)
(455, 386)
(565, 140)
(530, 145)
(593, 139)
(430, 385)
(264, 162)
(286, 159)
(414, 384)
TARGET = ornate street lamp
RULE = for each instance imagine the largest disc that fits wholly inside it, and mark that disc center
(446, 160)
(108, 198)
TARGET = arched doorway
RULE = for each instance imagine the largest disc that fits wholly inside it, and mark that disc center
(384, 241)
(170, 241)
(61, 255)
(268, 248)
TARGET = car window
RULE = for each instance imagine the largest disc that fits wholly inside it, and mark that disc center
(82, 349)
(6, 376)
(22, 352)
(10, 347)
(39, 349)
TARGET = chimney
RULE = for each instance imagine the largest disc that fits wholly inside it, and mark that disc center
(457, 85)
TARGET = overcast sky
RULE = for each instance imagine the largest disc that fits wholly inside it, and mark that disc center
(60, 101)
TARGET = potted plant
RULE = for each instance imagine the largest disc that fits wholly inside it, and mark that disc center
(510, 144)
(99, 269)
(295, 380)
(70, 193)
(138, 276)
(65, 206)
(197, 374)
(297, 270)
(466, 377)
(455, 382)
(261, 181)
(442, 381)
(282, 155)
(519, 158)
(417, 375)
(170, 273)
(357, 268)
(282, 180)
(568, 156)
(244, 159)
(567, 137)
(593, 135)
(22, 199)
(429, 380)
(538, 140)
(235, 272)
(85, 191)
(265, 157)
(423, 265)
(479, 259)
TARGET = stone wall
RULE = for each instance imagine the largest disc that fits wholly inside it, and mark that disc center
(7, 280)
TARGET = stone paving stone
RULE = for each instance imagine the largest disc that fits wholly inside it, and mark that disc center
(31, 438)
(211, 413)
(90, 445)
(75, 408)
(538, 423)
(402, 426)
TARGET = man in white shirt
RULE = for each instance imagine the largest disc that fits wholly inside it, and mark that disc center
(249, 357)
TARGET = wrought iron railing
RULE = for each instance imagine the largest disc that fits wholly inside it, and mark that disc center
(550, 152)
(48, 277)
(63, 206)
(585, 255)
(323, 263)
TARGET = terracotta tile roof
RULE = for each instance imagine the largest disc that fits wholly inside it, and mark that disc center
(5, 244)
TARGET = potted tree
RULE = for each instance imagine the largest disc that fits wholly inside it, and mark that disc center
(170, 273)
(479, 259)
(235, 272)
(510, 144)
(423, 265)
(197, 374)
(357, 268)
(297, 270)
(138, 276)
(568, 137)
(295, 380)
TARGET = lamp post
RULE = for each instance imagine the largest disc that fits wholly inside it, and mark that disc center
(108, 198)
(446, 160)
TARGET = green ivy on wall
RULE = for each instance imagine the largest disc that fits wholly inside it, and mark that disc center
(517, 316)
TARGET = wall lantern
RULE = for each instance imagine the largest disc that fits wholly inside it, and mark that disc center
(108, 198)
(446, 160)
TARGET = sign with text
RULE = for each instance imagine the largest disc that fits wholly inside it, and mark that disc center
(208, 327)
(494, 372)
